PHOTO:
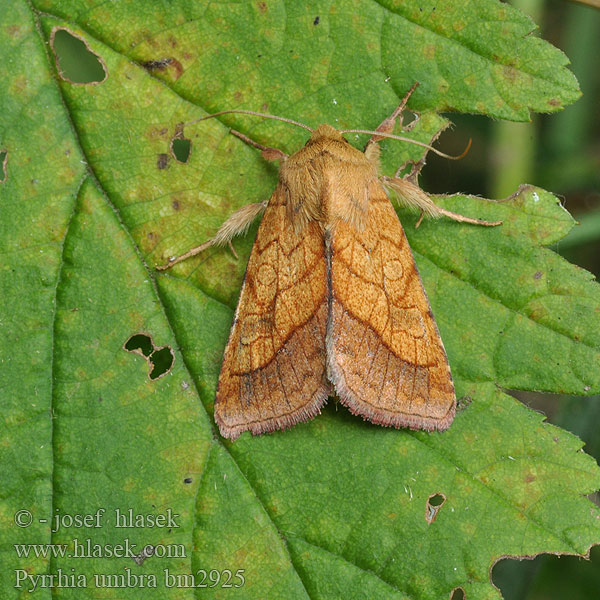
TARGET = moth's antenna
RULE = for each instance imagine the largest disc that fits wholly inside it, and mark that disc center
(256, 114)
(298, 124)
(405, 139)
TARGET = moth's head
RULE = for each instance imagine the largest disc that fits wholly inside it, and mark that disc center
(327, 140)
(326, 131)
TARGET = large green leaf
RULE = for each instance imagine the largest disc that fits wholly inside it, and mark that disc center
(93, 199)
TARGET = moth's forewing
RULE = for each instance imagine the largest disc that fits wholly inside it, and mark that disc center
(385, 355)
(274, 373)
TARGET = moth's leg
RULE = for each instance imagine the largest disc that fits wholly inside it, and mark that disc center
(411, 195)
(388, 124)
(267, 152)
(240, 220)
(407, 190)
(237, 223)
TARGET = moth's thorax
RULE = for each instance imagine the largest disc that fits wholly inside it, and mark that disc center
(327, 181)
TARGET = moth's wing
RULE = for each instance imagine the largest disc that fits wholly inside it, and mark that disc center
(385, 355)
(274, 368)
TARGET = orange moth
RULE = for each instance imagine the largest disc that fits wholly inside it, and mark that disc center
(332, 301)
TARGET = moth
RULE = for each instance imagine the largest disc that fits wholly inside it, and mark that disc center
(332, 300)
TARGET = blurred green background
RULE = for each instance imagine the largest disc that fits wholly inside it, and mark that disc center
(559, 152)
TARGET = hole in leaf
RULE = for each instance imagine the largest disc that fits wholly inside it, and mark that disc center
(140, 343)
(458, 594)
(181, 149)
(3, 161)
(405, 169)
(75, 61)
(162, 361)
(434, 504)
(410, 119)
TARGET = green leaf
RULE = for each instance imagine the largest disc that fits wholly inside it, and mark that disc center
(94, 196)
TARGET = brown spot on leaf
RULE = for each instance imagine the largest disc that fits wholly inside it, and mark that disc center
(19, 84)
(510, 74)
(262, 6)
(530, 477)
(13, 31)
(554, 102)
(463, 402)
(537, 275)
(175, 204)
(179, 129)
(157, 65)
(538, 314)
(153, 132)
(162, 161)
(146, 34)
(178, 68)
(3, 163)
(429, 51)
(147, 552)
